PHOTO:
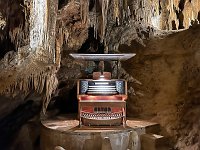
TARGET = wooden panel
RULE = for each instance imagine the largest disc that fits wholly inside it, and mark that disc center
(109, 103)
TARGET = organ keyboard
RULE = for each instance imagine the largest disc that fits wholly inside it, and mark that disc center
(102, 100)
(95, 87)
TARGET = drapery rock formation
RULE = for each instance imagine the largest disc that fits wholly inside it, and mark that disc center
(37, 58)
(163, 78)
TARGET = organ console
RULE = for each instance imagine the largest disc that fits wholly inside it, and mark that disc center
(102, 100)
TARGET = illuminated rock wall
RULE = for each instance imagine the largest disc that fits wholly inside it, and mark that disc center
(167, 69)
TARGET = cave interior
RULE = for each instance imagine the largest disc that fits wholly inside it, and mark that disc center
(38, 78)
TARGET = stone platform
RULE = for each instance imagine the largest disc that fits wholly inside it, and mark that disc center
(64, 133)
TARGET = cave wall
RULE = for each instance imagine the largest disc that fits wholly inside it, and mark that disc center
(168, 70)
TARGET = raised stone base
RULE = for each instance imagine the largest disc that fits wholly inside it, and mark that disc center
(64, 133)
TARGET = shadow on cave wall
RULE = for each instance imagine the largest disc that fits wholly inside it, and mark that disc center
(5, 46)
(92, 44)
(14, 16)
(11, 124)
(66, 99)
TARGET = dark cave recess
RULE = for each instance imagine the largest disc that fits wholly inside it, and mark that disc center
(14, 15)
(6, 45)
(62, 3)
(92, 45)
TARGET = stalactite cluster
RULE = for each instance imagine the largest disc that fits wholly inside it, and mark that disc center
(110, 18)
(26, 77)
(33, 66)
(119, 22)
(15, 22)
(104, 13)
(71, 29)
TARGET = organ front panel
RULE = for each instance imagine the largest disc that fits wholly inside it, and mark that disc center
(102, 100)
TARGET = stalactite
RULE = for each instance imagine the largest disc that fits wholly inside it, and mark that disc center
(59, 43)
(37, 23)
(84, 9)
(125, 5)
(190, 12)
(116, 11)
(81, 9)
(96, 21)
(16, 36)
(126, 11)
(105, 4)
(120, 11)
(74, 30)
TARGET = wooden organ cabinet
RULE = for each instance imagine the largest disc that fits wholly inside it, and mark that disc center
(102, 100)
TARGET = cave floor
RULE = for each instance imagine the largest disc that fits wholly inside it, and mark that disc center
(64, 131)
